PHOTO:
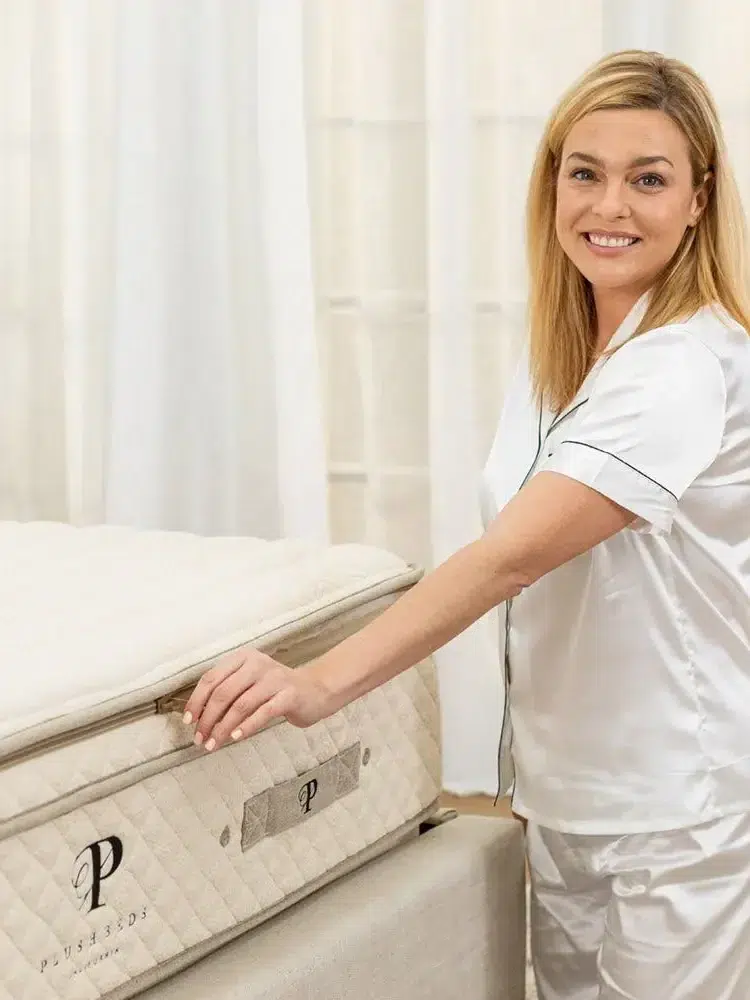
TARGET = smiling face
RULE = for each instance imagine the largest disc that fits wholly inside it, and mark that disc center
(625, 197)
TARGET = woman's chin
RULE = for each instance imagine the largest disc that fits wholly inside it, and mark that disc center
(607, 275)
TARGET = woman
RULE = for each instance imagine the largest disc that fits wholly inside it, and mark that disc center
(619, 483)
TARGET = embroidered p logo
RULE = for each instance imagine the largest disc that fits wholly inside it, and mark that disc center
(96, 863)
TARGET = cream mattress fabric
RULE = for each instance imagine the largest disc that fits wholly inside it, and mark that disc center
(125, 852)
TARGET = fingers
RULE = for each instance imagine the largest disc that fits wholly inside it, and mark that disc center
(253, 711)
(239, 697)
(223, 695)
(207, 685)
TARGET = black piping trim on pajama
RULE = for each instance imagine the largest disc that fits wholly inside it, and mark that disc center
(541, 441)
(556, 423)
(509, 604)
(584, 444)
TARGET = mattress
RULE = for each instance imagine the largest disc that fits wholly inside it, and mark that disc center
(126, 852)
(437, 918)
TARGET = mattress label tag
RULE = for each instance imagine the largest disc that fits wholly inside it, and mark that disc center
(286, 805)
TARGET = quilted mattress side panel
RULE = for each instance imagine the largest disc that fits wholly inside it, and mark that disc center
(114, 889)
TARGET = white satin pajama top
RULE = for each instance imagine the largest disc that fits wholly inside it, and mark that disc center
(629, 700)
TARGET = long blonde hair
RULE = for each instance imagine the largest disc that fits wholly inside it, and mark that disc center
(709, 266)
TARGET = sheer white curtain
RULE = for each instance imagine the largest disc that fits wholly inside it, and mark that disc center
(715, 39)
(427, 114)
(158, 360)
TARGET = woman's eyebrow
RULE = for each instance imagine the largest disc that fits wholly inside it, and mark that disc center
(639, 161)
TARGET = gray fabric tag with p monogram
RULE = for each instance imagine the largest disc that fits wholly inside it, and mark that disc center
(292, 802)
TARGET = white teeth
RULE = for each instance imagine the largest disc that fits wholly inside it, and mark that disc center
(611, 241)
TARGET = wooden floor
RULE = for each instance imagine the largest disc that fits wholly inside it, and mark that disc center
(478, 805)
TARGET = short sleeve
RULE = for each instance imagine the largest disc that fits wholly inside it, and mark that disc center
(653, 423)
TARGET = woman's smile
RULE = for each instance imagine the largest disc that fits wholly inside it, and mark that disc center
(607, 244)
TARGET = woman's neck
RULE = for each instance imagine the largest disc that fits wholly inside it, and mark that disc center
(612, 306)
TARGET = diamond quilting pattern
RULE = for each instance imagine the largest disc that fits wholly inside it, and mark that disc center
(115, 888)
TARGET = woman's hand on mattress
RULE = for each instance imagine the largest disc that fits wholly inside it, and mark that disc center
(246, 691)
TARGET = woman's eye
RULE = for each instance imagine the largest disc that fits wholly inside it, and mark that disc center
(651, 181)
(582, 174)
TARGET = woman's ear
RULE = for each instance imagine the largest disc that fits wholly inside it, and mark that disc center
(700, 198)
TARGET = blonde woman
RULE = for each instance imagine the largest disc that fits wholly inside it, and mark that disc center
(619, 542)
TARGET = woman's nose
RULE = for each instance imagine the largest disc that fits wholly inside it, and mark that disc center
(612, 201)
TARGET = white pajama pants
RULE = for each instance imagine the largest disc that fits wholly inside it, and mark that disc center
(657, 916)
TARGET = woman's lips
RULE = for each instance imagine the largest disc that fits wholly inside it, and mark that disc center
(611, 251)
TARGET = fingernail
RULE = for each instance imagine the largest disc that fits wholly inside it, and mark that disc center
(237, 734)
(198, 739)
(211, 745)
(187, 718)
